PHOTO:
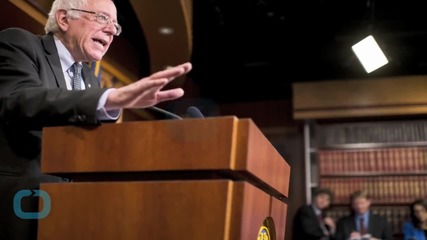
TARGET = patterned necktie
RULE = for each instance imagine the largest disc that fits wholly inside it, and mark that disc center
(362, 226)
(76, 80)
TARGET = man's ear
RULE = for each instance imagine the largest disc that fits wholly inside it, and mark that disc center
(62, 19)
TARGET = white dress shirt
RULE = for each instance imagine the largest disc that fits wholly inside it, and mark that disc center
(66, 62)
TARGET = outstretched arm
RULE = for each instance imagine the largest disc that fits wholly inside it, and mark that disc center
(147, 91)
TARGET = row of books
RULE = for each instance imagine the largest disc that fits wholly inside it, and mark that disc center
(388, 189)
(386, 158)
(396, 215)
(372, 132)
(380, 160)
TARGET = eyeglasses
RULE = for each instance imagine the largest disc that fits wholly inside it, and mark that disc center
(102, 19)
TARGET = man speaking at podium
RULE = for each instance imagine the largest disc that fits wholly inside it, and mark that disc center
(44, 81)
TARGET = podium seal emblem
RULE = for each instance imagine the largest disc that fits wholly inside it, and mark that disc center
(263, 233)
(268, 230)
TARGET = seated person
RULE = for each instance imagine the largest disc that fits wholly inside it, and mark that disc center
(362, 223)
(416, 227)
(310, 221)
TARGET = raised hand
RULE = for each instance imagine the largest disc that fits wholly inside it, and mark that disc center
(148, 91)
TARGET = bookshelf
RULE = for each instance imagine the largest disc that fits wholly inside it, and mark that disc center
(386, 158)
(366, 134)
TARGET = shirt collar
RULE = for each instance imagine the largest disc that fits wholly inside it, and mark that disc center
(317, 211)
(64, 55)
(364, 216)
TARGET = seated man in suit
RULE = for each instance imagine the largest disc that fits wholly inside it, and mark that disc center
(310, 221)
(362, 223)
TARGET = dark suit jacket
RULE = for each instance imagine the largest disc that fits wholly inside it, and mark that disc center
(378, 227)
(306, 225)
(33, 95)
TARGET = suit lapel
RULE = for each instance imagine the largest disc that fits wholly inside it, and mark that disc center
(53, 60)
(89, 79)
(353, 225)
(371, 223)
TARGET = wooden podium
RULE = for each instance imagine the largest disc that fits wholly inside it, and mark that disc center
(213, 178)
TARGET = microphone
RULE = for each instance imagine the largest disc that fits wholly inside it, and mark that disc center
(194, 112)
(166, 113)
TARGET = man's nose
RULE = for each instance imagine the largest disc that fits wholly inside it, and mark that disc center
(110, 28)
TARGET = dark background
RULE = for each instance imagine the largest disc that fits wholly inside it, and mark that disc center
(258, 48)
(253, 50)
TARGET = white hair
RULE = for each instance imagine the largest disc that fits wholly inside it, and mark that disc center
(51, 24)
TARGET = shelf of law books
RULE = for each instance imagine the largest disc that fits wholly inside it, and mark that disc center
(386, 158)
